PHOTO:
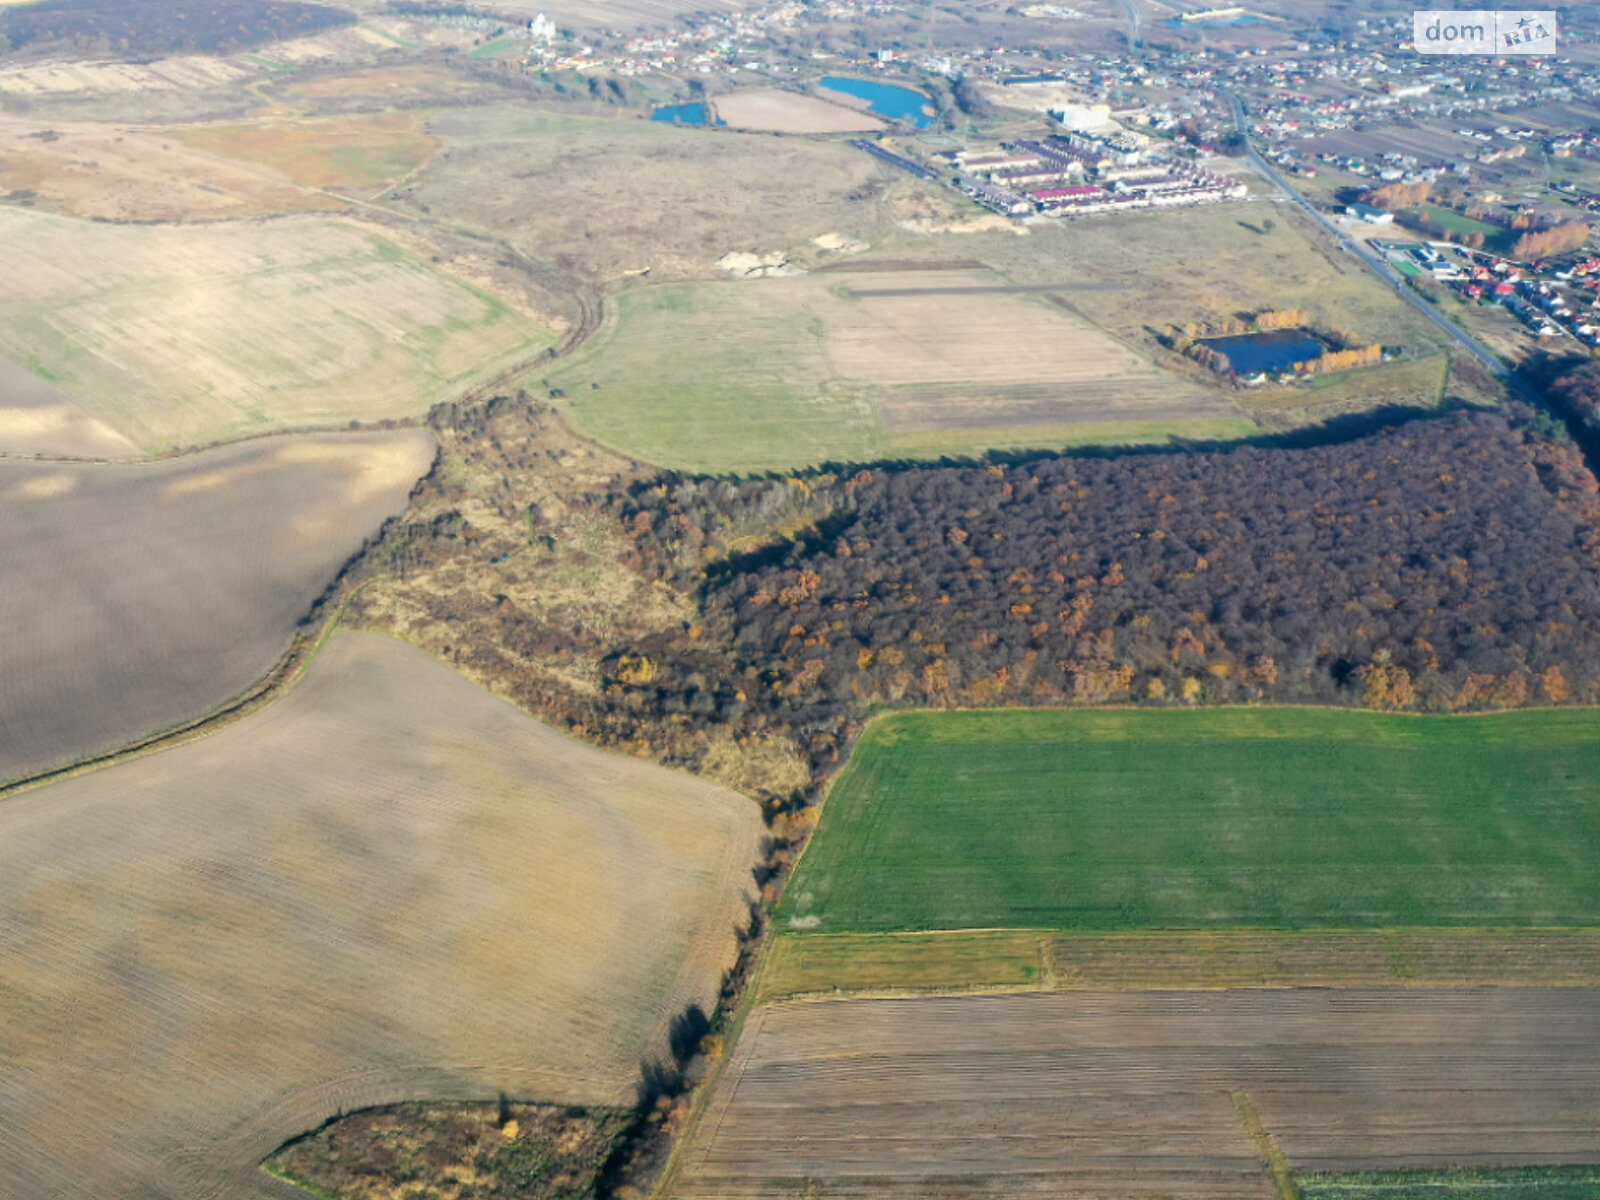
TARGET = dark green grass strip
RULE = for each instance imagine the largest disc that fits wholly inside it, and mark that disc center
(1276, 818)
(1516, 1183)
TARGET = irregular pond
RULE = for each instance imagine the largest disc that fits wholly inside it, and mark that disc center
(884, 99)
(685, 114)
(1278, 350)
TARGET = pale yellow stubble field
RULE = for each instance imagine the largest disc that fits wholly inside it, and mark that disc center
(179, 336)
(386, 885)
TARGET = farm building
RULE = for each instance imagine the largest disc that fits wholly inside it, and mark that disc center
(1372, 216)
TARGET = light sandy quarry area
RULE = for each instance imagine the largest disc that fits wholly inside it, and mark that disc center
(777, 111)
(386, 884)
(1114, 1094)
(139, 596)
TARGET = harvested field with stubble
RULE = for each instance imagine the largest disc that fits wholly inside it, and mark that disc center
(182, 336)
(138, 596)
(1143, 1093)
(772, 373)
(386, 885)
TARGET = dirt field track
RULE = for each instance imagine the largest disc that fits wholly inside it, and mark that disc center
(1115, 1094)
(386, 885)
(137, 596)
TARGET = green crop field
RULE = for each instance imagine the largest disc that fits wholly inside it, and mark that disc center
(1269, 818)
(778, 373)
(1456, 223)
(1514, 1183)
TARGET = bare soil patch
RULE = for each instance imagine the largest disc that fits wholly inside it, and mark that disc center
(921, 409)
(1111, 1094)
(139, 596)
(928, 328)
(132, 174)
(779, 111)
(386, 885)
(353, 151)
(409, 83)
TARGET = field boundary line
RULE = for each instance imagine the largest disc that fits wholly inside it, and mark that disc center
(302, 651)
(1272, 1155)
(304, 645)
(709, 1091)
(165, 456)
(959, 962)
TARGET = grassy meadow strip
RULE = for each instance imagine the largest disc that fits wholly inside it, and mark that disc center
(1510, 1183)
(1041, 960)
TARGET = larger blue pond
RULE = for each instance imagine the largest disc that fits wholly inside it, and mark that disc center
(1275, 351)
(885, 100)
(684, 114)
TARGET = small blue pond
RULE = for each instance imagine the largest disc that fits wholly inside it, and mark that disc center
(1274, 351)
(684, 114)
(885, 100)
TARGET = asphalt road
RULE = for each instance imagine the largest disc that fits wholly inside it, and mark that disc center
(1379, 265)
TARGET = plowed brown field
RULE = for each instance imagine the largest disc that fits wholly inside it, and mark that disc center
(386, 885)
(137, 596)
(37, 419)
(1139, 1093)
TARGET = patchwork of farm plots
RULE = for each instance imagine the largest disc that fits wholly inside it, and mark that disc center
(386, 884)
(140, 596)
(1195, 1094)
(1281, 818)
(774, 373)
(178, 336)
(1214, 924)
